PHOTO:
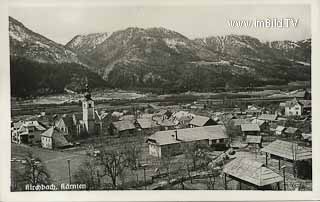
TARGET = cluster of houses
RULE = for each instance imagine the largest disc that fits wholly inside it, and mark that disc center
(165, 128)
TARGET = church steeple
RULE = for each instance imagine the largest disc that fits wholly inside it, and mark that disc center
(88, 111)
(87, 94)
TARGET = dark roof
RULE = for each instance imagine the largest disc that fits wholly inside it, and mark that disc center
(250, 127)
(199, 120)
(305, 103)
(268, 117)
(189, 135)
(251, 171)
(67, 120)
(288, 150)
(123, 125)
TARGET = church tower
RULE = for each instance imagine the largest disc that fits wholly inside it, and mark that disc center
(88, 112)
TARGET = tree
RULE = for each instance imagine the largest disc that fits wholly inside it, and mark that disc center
(88, 174)
(35, 171)
(113, 164)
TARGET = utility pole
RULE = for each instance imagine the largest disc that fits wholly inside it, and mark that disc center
(68, 160)
(284, 177)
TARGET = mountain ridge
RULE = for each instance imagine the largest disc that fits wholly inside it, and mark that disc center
(160, 58)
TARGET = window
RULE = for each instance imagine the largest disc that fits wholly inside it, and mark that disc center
(89, 105)
(297, 113)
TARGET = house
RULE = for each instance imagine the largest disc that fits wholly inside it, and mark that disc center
(103, 121)
(292, 132)
(121, 128)
(307, 137)
(293, 108)
(250, 173)
(170, 142)
(66, 125)
(238, 122)
(279, 130)
(297, 107)
(250, 129)
(166, 124)
(53, 138)
(183, 118)
(261, 123)
(27, 132)
(200, 121)
(146, 125)
(299, 156)
(254, 110)
(268, 117)
(254, 140)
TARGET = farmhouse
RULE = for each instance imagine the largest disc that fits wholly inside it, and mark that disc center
(200, 121)
(292, 132)
(268, 117)
(251, 173)
(279, 130)
(122, 128)
(168, 143)
(53, 138)
(27, 132)
(250, 129)
(146, 125)
(299, 156)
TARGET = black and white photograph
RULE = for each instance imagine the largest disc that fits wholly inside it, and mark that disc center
(160, 97)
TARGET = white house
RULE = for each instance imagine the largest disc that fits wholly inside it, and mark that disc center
(293, 108)
(170, 142)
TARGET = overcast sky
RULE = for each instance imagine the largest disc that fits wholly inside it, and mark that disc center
(62, 23)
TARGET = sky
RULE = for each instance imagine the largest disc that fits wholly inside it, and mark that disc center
(62, 22)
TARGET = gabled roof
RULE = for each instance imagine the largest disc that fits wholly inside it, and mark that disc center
(199, 120)
(249, 127)
(258, 122)
(291, 130)
(268, 117)
(146, 123)
(238, 122)
(280, 128)
(292, 103)
(166, 122)
(57, 136)
(251, 171)
(253, 139)
(123, 125)
(305, 103)
(288, 150)
(67, 121)
(189, 135)
(307, 136)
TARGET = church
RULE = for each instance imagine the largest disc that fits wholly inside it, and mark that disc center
(90, 122)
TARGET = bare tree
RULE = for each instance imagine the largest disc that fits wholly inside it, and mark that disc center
(88, 174)
(35, 172)
(113, 164)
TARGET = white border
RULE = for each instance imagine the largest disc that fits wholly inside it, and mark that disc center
(6, 195)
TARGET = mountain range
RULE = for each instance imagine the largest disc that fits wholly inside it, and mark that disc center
(152, 59)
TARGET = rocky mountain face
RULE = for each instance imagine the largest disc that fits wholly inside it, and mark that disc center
(28, 44)
(158, 58)
(41, 66)
(85, 44)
